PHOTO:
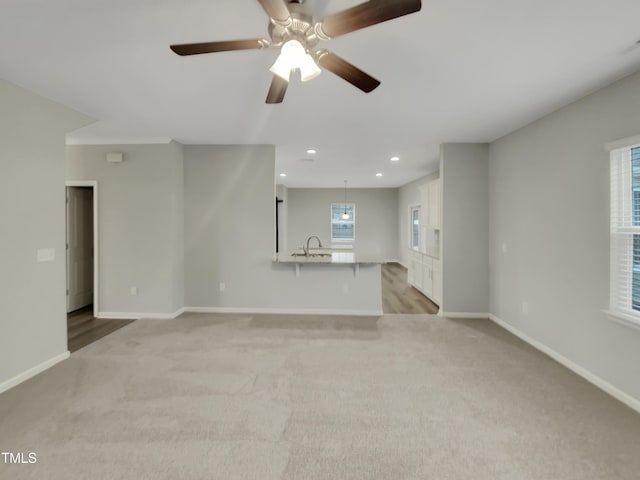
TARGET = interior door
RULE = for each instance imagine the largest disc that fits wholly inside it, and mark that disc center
(79, 247)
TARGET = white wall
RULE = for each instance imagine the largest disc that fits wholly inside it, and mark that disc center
(464, 170)
(549, 203)
(376, 232)
(230, 235)
(409, 196)
(141, 224)
(33, 322)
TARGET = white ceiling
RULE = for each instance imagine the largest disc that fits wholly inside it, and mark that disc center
(458, 71)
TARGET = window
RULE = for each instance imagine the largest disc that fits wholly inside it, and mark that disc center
(342, 229)
(415, 228)
(625, 233)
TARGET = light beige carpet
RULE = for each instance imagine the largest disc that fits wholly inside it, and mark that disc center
(266, 397)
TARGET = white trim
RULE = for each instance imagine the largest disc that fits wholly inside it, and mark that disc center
(96, 290)
(285, 311)
(622, 143)
(463, 315)
(626, 320)
(139, 315)
(33, 371)
(615, 392)
(119, 141)
(392, 260)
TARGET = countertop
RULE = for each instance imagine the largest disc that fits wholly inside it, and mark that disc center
(336, 258)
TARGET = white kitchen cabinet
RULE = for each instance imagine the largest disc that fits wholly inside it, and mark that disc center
(415, 269)
(413, 255)
(425, 274)
(433, 204)
(437, 281)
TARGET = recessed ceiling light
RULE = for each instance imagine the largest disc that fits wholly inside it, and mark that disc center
(283, 174)
(395, 159)
(378, 174)
(311, 151)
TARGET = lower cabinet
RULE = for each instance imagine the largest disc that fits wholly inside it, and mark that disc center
(437, 281)
(425, 274)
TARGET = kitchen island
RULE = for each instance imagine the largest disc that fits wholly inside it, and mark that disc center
(328, 257)
(331, 282)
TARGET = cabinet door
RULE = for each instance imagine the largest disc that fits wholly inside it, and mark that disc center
(427, 275)
(417, 273)
(433, 202)
(437, 281)
(411, 269)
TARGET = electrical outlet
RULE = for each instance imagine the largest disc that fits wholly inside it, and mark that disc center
(345, 288)
(525, 307)
(222, 286)
(504, 248)
(134, 291)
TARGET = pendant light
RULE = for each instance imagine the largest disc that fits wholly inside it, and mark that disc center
(345, 215)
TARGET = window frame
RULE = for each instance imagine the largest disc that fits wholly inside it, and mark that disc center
(622, 232)
(332, 221)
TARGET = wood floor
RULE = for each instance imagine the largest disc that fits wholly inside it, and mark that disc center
(83, 328)
(400, 297)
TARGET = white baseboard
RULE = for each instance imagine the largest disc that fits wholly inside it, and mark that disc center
(463, 315)
(33, 371)
(138, 315)
(615, 392)
(285, 311)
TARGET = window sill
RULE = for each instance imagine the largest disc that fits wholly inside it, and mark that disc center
(623, 319)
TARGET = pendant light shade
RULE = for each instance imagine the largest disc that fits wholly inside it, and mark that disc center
(345, 215)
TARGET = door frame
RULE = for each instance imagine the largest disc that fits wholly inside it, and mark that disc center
(94, 186)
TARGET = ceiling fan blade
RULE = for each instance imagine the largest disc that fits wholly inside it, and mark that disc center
(277, 10)
(211, 47)
(367, 14)
(277, 90)
(345, 70)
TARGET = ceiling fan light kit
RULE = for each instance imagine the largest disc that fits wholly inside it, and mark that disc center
(293, 56)
(293, 29)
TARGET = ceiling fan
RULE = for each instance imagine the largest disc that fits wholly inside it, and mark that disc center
(293, 29)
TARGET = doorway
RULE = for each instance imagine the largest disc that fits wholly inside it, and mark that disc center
(80, 248)
(83, 326)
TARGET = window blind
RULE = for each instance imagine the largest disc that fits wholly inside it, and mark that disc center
(625, 231)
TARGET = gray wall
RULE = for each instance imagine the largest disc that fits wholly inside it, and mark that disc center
(282, 192)
(376, 231)
(230, 238)
(141, 224)
(409, 196)
(549, 205)
(464, 169)
(33, 322)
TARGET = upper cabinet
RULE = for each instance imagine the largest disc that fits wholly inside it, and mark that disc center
(430, 201)
(433, 204)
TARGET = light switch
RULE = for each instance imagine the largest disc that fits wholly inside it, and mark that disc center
(46, 255)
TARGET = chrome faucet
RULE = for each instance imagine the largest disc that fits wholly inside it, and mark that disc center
(306, 249)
